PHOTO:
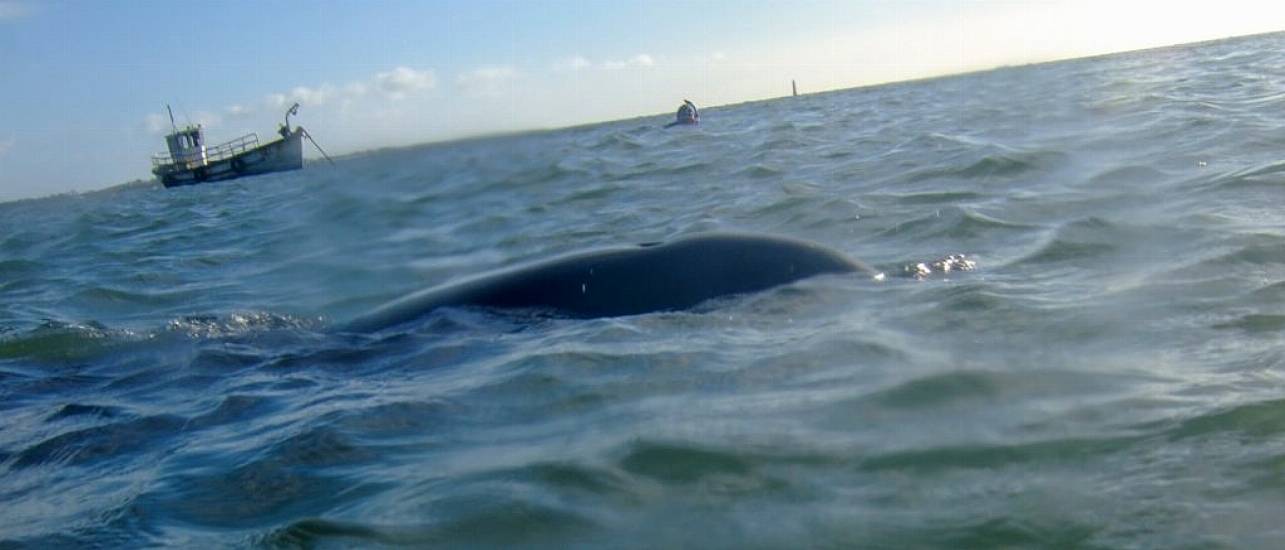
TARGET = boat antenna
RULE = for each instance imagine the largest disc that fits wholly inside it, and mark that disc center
(171, 111)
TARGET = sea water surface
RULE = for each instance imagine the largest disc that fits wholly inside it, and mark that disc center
(1111, 375)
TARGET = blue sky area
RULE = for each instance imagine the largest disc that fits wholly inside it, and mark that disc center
(86, 82)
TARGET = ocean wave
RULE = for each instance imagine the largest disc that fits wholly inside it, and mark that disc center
(209, 326)
(759, 171)
(1268, 174)
(503, 524)
(955, 222)
(628, 141)
(59, 341)
(650, 171)
(1256, 419)
(105, 298)
(682, 464)
(74, 410)
(1128, 176)
(13, 270)
(1001, 164)
(235, 408)
(1064, 251)
(1251, 256)
(255, 495)
(983, 456)
(928, 197)
(397, 420)
(119, 441)
(1091, 238)
(1273, 292)
(969, 386)
(1267, 324)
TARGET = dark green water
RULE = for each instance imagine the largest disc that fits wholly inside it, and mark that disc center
(1110, 376)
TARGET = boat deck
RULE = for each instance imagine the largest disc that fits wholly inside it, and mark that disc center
(219, 152)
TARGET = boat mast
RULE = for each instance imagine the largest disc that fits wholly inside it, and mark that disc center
(171, 112)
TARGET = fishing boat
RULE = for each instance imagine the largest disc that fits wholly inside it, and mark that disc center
(189, 161)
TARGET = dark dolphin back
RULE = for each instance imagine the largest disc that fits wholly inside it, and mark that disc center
(686, 272)
(630, 281)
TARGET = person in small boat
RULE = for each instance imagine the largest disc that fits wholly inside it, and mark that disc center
(687, 113)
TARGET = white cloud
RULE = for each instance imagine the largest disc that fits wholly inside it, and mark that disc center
(156, 124)
(303, 95)
(398, 83)
(354, 90)
(489, 81)
(207, 119)
(571, 64)
(402, 81)
(640, 60)
(6, 145)
(239, 111)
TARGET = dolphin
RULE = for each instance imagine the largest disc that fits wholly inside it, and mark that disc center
(616, 282)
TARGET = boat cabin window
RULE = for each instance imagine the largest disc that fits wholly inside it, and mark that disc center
(189, 140)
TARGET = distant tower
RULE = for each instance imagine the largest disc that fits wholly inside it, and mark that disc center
(795, 86)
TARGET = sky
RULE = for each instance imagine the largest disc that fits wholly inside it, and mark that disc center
(84, 84)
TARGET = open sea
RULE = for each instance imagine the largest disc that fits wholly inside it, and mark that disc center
(1111, 375)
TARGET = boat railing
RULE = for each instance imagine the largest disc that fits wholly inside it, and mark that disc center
(213, 154)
